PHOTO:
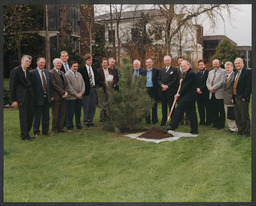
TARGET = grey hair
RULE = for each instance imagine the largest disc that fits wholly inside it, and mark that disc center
(111, 58)
(167, 57)
(186, 62)
(136, 60)
(216, 60)
(228, 63)
(56, 59)
(238, 58)
(26, 56)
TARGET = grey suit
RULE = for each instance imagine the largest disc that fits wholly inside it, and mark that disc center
(228, 94)
(216, 104)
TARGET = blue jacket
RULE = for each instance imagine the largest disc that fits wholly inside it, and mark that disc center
(244, 84)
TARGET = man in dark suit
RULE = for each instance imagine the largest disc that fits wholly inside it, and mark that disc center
(152, 86)
(111, 64)
(187, 98)
(43, 91)
(22, 95)
(105, 77)
(65, 65)
(202, 93)
(136, 68)
(242, 89)
(89, 75)
(168, 80)
(59, 88)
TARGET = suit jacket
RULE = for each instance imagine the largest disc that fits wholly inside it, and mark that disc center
(155, 73)
(84, 73)
(140, 70)
(218, 82)
(101, 77)
(244, 84)
(63, 69)
(228, 89)
(169, 78)
(76, 85)
(188, 87)
(38, 86)
(180, 73)
(58, 87)
(20, 86)
(201, 84)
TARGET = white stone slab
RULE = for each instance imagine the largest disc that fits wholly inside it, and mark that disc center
(176, 135)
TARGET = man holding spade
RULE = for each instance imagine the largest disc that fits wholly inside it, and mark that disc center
(187, 98)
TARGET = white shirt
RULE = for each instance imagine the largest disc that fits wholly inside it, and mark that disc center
(106, 73)
(40, 74)
(89, 67)
(66, 67)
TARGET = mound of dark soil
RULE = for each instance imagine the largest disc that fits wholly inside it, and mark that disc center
(155, 133)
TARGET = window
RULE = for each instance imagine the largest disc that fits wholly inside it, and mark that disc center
(111, 36)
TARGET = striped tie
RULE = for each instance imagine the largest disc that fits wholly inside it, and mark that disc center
(235, 84)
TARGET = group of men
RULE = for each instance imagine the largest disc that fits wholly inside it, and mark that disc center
(217, 92)
(67, 88)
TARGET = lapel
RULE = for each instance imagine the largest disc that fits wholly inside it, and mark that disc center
(23, 79)
(241, 75)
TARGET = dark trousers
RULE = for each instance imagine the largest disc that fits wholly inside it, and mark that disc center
(242, 116)
(26, 114)
(41, 112)
(166, 100)
(58, 115)
(73, 108)
(89, 106)
(217, 112)
(152, 95)
(188, 107)
(203, 109)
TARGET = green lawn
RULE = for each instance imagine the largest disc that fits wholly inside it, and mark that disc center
(100, 166)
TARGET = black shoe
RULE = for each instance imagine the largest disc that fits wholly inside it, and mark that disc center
(31, 137)
(193, 132)
(86, 125)
(207, 124)
(27, 139)
(91, 125)
(245, 135)
(230, 131)
(162, 124)
(219, 128)
(167, 128)
(201, 123)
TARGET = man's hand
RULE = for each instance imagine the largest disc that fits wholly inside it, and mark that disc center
(65, 95)
(199, 91)
(211, 89)
(52, 98)
(164, 87)
(176, 96)
(181, 81)
(15, 104)
(79, 96)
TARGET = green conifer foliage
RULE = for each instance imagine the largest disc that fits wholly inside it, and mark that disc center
(126, 107)
(226, 51)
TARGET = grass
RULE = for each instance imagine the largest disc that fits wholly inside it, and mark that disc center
(100, 166)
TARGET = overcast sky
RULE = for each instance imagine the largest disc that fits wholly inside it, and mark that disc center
(238, 29)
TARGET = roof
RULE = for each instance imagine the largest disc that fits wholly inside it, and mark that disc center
(218, 37)
(129, 14)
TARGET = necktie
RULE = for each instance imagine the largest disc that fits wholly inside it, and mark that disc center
(235, 84)
(44, 81)
(167, 68)
(202, 74)
(25, 73)
(213, 77)
(90, 76)
(66, 66)
(75, 74)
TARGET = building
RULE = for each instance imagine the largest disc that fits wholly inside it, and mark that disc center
(210, 44)
(143, 25)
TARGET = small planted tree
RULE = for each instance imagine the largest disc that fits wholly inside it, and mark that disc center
(126, 107)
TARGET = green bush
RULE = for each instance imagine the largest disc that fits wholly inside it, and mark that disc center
(127, 106)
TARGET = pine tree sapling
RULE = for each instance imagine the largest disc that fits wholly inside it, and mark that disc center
(127, 106)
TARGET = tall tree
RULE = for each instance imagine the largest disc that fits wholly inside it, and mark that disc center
(226, 51)
(178, 15)
(65, 24)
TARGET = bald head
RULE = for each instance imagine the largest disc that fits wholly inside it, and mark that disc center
(215, 64)
(239, 63)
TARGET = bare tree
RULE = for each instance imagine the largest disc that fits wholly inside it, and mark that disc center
(65, 25)
(178, 15)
